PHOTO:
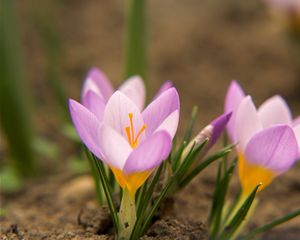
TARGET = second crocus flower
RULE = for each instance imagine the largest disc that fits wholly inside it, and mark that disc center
(267, 137)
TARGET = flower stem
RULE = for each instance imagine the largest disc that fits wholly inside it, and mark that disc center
(127, 215)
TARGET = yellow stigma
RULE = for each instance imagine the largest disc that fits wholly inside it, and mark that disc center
(129, 130)
(252, 174)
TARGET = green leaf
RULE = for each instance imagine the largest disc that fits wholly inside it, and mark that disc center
(271, 225)
(146, 198)
(136, 40)
(176, 157)
(219, 199)
(15, 117)
(106, 188)
(190, 127)
(204, 164)
(239, 216)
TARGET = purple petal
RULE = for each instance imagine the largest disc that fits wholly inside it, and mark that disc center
(94, 103)
(159, 109)
(167, 85)
(116, 114)
(274, 148)
(114, 146)
(247, 122)
(218, 125)
(274, 111)
(97, 82)
(149, 154)
(86, 125)
(134, 88)
(296, 121)
(297, 134)
(233, 99)
(170, 124)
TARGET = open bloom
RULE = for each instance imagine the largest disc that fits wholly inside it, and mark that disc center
(267, 137)
(130, 141)
(97, 90)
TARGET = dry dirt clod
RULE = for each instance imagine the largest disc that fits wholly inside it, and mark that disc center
(95, 220)
(176, 229)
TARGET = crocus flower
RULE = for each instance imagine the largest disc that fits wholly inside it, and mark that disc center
(267, 137)
(97, 89)
(131, 141)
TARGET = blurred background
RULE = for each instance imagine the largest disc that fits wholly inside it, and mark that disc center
(200, 45)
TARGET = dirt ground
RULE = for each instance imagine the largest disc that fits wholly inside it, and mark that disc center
(199, 45)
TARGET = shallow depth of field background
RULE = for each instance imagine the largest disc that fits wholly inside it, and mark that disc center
(199, 45)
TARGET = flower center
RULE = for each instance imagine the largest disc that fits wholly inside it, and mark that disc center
(132, 139)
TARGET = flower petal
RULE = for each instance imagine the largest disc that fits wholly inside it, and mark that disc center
(94, 103)
(167, 85)
(134, 88)
(116, 114)
(274, 111)
(149, 154)
(296, 121)
(297, 134)
(114, 147)
(233, 98)
(247, 122)
(274, 148)
(218, 125)
(170, 124)
(86, 125)
(97, 82)
(159, 109)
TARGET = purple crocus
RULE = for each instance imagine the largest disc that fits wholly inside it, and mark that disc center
(130, 140)
(268, 138)
(97, 89)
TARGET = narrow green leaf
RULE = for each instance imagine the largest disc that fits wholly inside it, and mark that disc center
(189, 161)
(98, 186)
(219, 200)
(146, 198)
(14, 107)
(107, 190)
(190, 127)
(214, 204)
(271, 225)
(203, 165)
(239, 216)
(136, 40)
(176, 157)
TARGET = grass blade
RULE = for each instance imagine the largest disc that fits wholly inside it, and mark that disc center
(190, 127)
(203, 165)
(137, 230)
(14, 113)
(271, 225)
(136, 40)
(219, 200)
(96, 177)
(107, 190)
(239, 216)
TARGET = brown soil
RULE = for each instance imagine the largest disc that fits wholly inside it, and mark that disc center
(200, 46)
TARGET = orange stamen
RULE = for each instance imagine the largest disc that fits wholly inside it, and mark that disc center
(135, 142)
(131, 125)
(127, 129)
(130, 132)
